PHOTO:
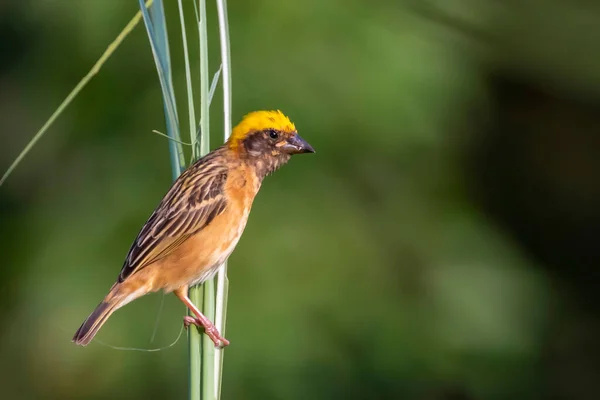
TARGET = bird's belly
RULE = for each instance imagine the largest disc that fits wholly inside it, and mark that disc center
(200, 257)
(215, 261)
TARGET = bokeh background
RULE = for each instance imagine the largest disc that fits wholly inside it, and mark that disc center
(441, 244)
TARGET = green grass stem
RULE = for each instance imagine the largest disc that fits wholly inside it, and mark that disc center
(207, 347)
(221, 278)
(205, 361)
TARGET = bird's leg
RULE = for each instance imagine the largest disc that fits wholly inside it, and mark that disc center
(200, 321)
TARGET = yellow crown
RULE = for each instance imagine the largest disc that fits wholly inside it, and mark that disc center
(259, 121)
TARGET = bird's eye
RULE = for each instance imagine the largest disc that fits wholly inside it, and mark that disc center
(273, 134)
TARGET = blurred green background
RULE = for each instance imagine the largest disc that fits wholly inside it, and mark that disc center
(441, 244)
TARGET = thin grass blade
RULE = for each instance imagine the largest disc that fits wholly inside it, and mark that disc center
(213, 85)
(188, 80)
(157, 35)
(170, 138)
(82, 83)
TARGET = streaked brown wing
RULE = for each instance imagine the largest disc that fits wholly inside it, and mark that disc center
(193, 201)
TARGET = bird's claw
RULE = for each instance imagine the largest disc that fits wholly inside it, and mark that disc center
(187, 321)
(211, 331)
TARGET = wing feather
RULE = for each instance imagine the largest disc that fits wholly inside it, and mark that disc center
(194, 200)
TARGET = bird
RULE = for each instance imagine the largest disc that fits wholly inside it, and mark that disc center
(198, 223)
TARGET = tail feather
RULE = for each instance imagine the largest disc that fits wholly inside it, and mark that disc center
(94, 322)
(98, 317)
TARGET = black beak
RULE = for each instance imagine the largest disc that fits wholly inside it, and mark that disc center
(297, 145)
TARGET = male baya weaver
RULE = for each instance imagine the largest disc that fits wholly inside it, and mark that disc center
(200, 220)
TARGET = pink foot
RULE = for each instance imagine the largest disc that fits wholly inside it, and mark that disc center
(209, 329)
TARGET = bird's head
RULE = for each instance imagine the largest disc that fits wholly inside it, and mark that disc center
(268, 138)
(263, 133)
